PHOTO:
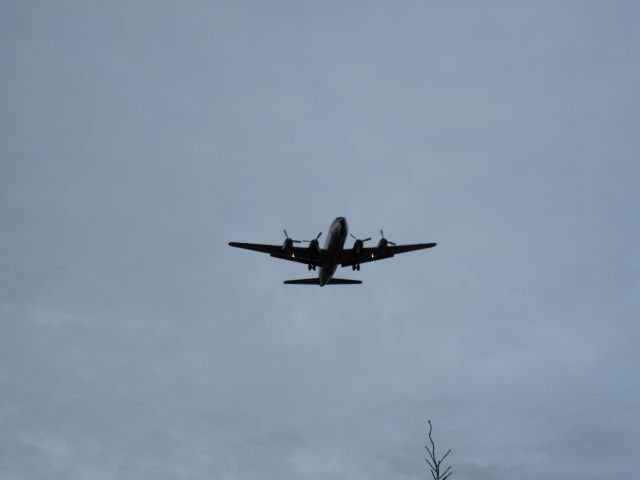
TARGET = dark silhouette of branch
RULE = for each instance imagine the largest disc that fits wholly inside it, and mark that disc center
(434, 463)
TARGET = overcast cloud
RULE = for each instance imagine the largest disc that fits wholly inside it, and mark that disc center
(138, 138)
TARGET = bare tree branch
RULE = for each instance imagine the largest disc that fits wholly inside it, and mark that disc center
(433, 447)
(432, 460)
(445, 455)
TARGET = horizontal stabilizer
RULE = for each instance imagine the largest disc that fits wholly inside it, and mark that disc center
(344, 281)
(315, 281)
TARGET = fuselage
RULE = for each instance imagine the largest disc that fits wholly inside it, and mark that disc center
(333, 245)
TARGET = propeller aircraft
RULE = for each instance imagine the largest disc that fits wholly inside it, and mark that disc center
(333, 253)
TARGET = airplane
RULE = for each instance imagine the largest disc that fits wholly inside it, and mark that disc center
(333, 253)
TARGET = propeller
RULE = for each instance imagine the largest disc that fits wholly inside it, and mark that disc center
(287, 239)
(314, 240)
(386, 241)
(360, 240)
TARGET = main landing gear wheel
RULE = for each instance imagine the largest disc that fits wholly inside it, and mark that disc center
(355, 267)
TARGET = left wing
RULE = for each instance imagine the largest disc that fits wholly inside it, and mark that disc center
(294, 254)
(371, 254)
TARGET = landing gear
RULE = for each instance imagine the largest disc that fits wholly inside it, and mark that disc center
(355, 267)
(311, 267)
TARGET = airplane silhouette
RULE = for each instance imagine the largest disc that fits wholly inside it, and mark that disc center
(333, 253)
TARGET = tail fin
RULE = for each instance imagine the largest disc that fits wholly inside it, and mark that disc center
(315, 281)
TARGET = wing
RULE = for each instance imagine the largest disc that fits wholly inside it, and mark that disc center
(371, 254)
(296, 254)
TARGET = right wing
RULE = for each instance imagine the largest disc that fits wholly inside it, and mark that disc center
(371, 254)
(296, 254)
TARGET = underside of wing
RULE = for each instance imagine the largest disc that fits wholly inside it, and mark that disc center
(258, 247)
(299, 257)
(293, 254)
(410, 248)
(351, 257)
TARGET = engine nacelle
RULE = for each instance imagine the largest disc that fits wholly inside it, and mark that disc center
(358, 245)
(287, 245)
(383, 243)
(314, 246)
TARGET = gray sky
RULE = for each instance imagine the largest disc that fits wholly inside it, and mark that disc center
(138, 138)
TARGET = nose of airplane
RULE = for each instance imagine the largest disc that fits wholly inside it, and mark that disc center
(343, 224)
